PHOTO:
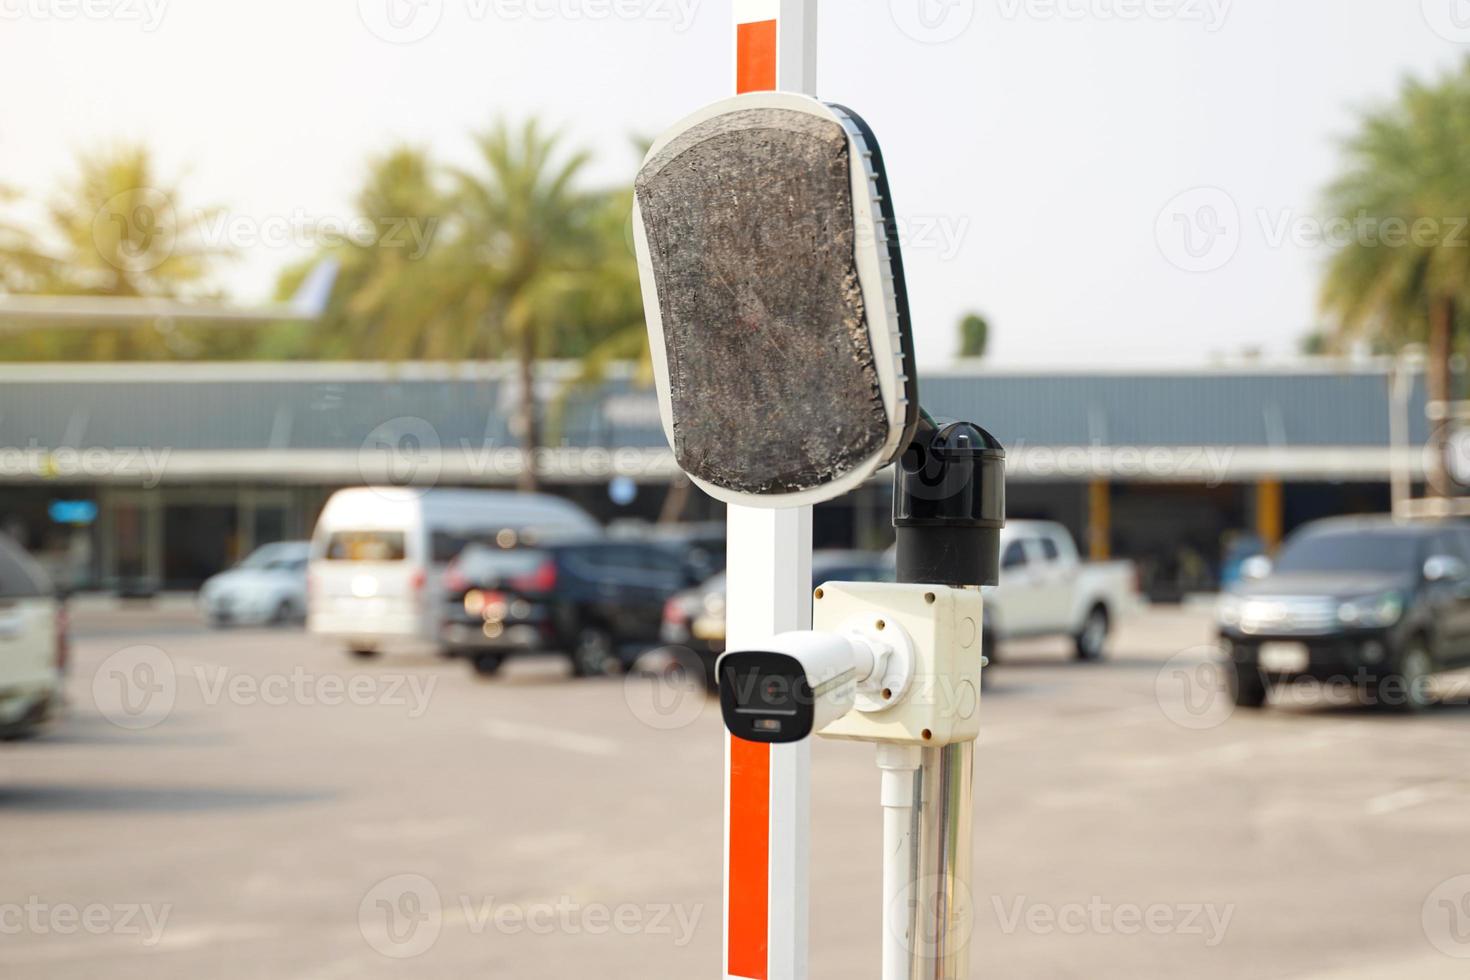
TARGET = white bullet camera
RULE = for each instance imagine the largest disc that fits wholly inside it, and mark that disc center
(800, 683)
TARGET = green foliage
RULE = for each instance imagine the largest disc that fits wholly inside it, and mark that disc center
(389, 300)
(117, 227)
(974, 335)
(1405, 195)
(1316, 344)
(510, 257)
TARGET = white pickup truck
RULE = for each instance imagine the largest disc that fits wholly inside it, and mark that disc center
(1045, 590)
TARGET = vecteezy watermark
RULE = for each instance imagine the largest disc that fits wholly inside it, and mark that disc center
(1210, 14)
(932, 21)
(407, 456)
(1446, 917)
(1199, 230)
(147, 14)
(144, 465)
(1202, 230)
(1197, 688)
(1193, 689)
(138, 230)
(942, 234)
(1282, 228)
(1207, 464)
(672, 697)
(1097, 917)
(1362, 688)
(943, 910)
(403, 917)
(401, 21)
(136, 687)
(1450, 19)
(301, 687)
(404, 453)
(36, 917)
(410, 21)
(301, 229)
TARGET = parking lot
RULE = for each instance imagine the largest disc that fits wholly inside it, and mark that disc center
(252, 803)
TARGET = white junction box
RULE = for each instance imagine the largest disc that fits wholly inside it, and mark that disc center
(935, 700)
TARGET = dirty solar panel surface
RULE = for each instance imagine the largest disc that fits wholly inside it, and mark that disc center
(749, 220)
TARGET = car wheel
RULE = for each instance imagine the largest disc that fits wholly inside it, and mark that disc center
(1093, 637)
(1247, 687)
(1406, 689)
(363, 653)
(487, 664)
(595, 654)
(285, 613)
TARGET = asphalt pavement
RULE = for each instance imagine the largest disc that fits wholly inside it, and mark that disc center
(253, 803)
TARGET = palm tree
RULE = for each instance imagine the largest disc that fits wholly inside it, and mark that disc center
(611, 300)
(22, 263)
(123, 230)
(1405, 192)
(117, 228)
(525, 245)
(391, 300)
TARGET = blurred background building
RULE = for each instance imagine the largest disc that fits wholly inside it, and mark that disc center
(155, 476)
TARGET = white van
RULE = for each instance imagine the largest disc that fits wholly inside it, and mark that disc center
(33, 644)
(378, 554)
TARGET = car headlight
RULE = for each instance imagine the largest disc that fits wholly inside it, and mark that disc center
(1376, 610)
(1229, 611)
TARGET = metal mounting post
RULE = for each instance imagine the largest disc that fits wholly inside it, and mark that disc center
(948, 509)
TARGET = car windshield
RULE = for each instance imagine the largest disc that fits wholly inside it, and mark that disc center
(274, 557)
(827, 570)
(1387, 550)
(479, 563)
(20, 577)
(367, 546)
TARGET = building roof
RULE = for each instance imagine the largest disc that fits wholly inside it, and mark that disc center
(334, 421)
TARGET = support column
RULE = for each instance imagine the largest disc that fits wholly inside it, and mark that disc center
(1270, 514)
(1100, 520)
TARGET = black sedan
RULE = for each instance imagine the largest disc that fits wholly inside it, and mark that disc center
(599, 602)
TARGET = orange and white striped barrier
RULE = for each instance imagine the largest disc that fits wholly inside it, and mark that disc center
(768, 787)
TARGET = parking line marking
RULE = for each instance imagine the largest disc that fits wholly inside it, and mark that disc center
(1405, 799)
(591, 745)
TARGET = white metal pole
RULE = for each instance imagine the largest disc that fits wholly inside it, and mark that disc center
(768, 787)
(1400, 383)
(901, 855)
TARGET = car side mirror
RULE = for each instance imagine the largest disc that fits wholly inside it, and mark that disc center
(1445, 568)
(1257, 567)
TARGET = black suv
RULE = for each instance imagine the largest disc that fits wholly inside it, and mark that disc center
(600, 602)
(1372, 602)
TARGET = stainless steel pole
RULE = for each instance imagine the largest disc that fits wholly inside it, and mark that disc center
(941, 889)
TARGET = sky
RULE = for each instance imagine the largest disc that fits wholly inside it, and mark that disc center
(1110, 182)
